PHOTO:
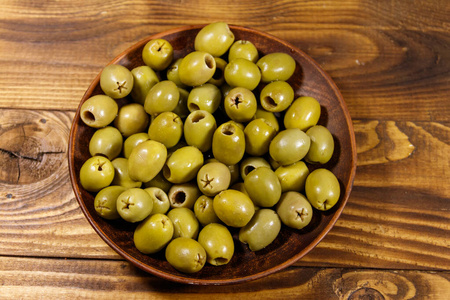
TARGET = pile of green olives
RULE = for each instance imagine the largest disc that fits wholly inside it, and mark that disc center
(199, 159)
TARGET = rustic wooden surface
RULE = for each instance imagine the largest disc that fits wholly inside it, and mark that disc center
(391, 61)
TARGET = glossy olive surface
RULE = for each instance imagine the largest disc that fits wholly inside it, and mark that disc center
(99, 111)
(262, 229)
(233, 207)
(107, 141)
(105, 202)
(263, 187)
(153, 233)
(289, 146)
(186, 255)
(322, 189)
(96, 173)
(218, 243)
(144, 78)
(116, 81)
(215, 38)
(228, 143)
(158, 54)
(146, 160)
(294, 210)
(286, 249)
(131, 119)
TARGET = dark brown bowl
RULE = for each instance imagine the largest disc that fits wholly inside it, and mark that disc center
(291, 245)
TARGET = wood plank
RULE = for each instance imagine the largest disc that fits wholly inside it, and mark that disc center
(401, 217)
(88, 279)
(377, 62)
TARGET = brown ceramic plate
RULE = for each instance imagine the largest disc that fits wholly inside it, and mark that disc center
(291, 245)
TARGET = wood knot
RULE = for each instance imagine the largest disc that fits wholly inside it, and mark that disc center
(366, 294)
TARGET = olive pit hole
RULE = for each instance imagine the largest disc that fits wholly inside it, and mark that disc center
(89, 116)
(166, 172)
(218, 74)
(248, 169)
(210, 62)
(228, 129)
(197, 117)
(221, 260)
(179, 197)
(193, 107)
(270, 101)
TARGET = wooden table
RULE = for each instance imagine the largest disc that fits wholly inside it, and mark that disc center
(391, 61)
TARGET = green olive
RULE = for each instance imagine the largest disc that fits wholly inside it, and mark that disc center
(215, 38)
(182, 110)
(294, 210)
(196, 68)
(262, 229)
(98, 111)
(241, 72)
(303, 113)
(144, 78)
(289, 146)
(218, 78)
(96, 173)
(159, 181)
(121, 176)
(134, 205)
(131, 119)
(213, 177)
(183, 195)
(161, 203)
(243, 49)
(184, 222)
(185, 255)
(263, 187)
(157, 54)
(166, 128)
(239, 186)
(258, 135)
(116, 81)
(132, 141)
(251, 163)
(106, 141)
(146, 160)
(183, 165)
(233, 207)
(292, 177)
(322, 145)
(204, 211)
(228, 143)
(218, 243)
(270, 118)
(173, 75)
(277, 96)
(153, 234)
(199, 128)
(162, 97)
(204, 97)
(322, 189)
(105, 202)
(240, 104)
(276, 66)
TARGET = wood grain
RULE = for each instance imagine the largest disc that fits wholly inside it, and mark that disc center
(89, 279)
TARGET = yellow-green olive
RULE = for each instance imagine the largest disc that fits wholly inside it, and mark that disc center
(251, 163)
(173, 75)
(166, 128)
(131, 119)
(212, 178)
(106, 141)
(183, 165)
(134, 205)
(303, 113)
(121, 176)
(243, 49)
(262, 229)
(163, 96)
(258, 135)
(116, 81)
(218, 78)
(183, 195)
(269, 116)
(153, 233)
(276, 66)
(105, 202)
(322, 189)
(185, 255)
(182, 110)
(199, 128)
(98, 111)
(96, 173)
(240, 104)
(215, 38)
(218, 243)
(294, 210)
(204, 97)
(204, 210)
(144, 79)
(161, 203)
(292, 177)
(146, 160)
(185, 223)
(228, 143)
(243, 73)
(276, 96)
(322, 145)
(196, 68)
(233, 207)
(159, 181)
(289, 146)
(263, 187)
(157, 54)
(132, 141)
